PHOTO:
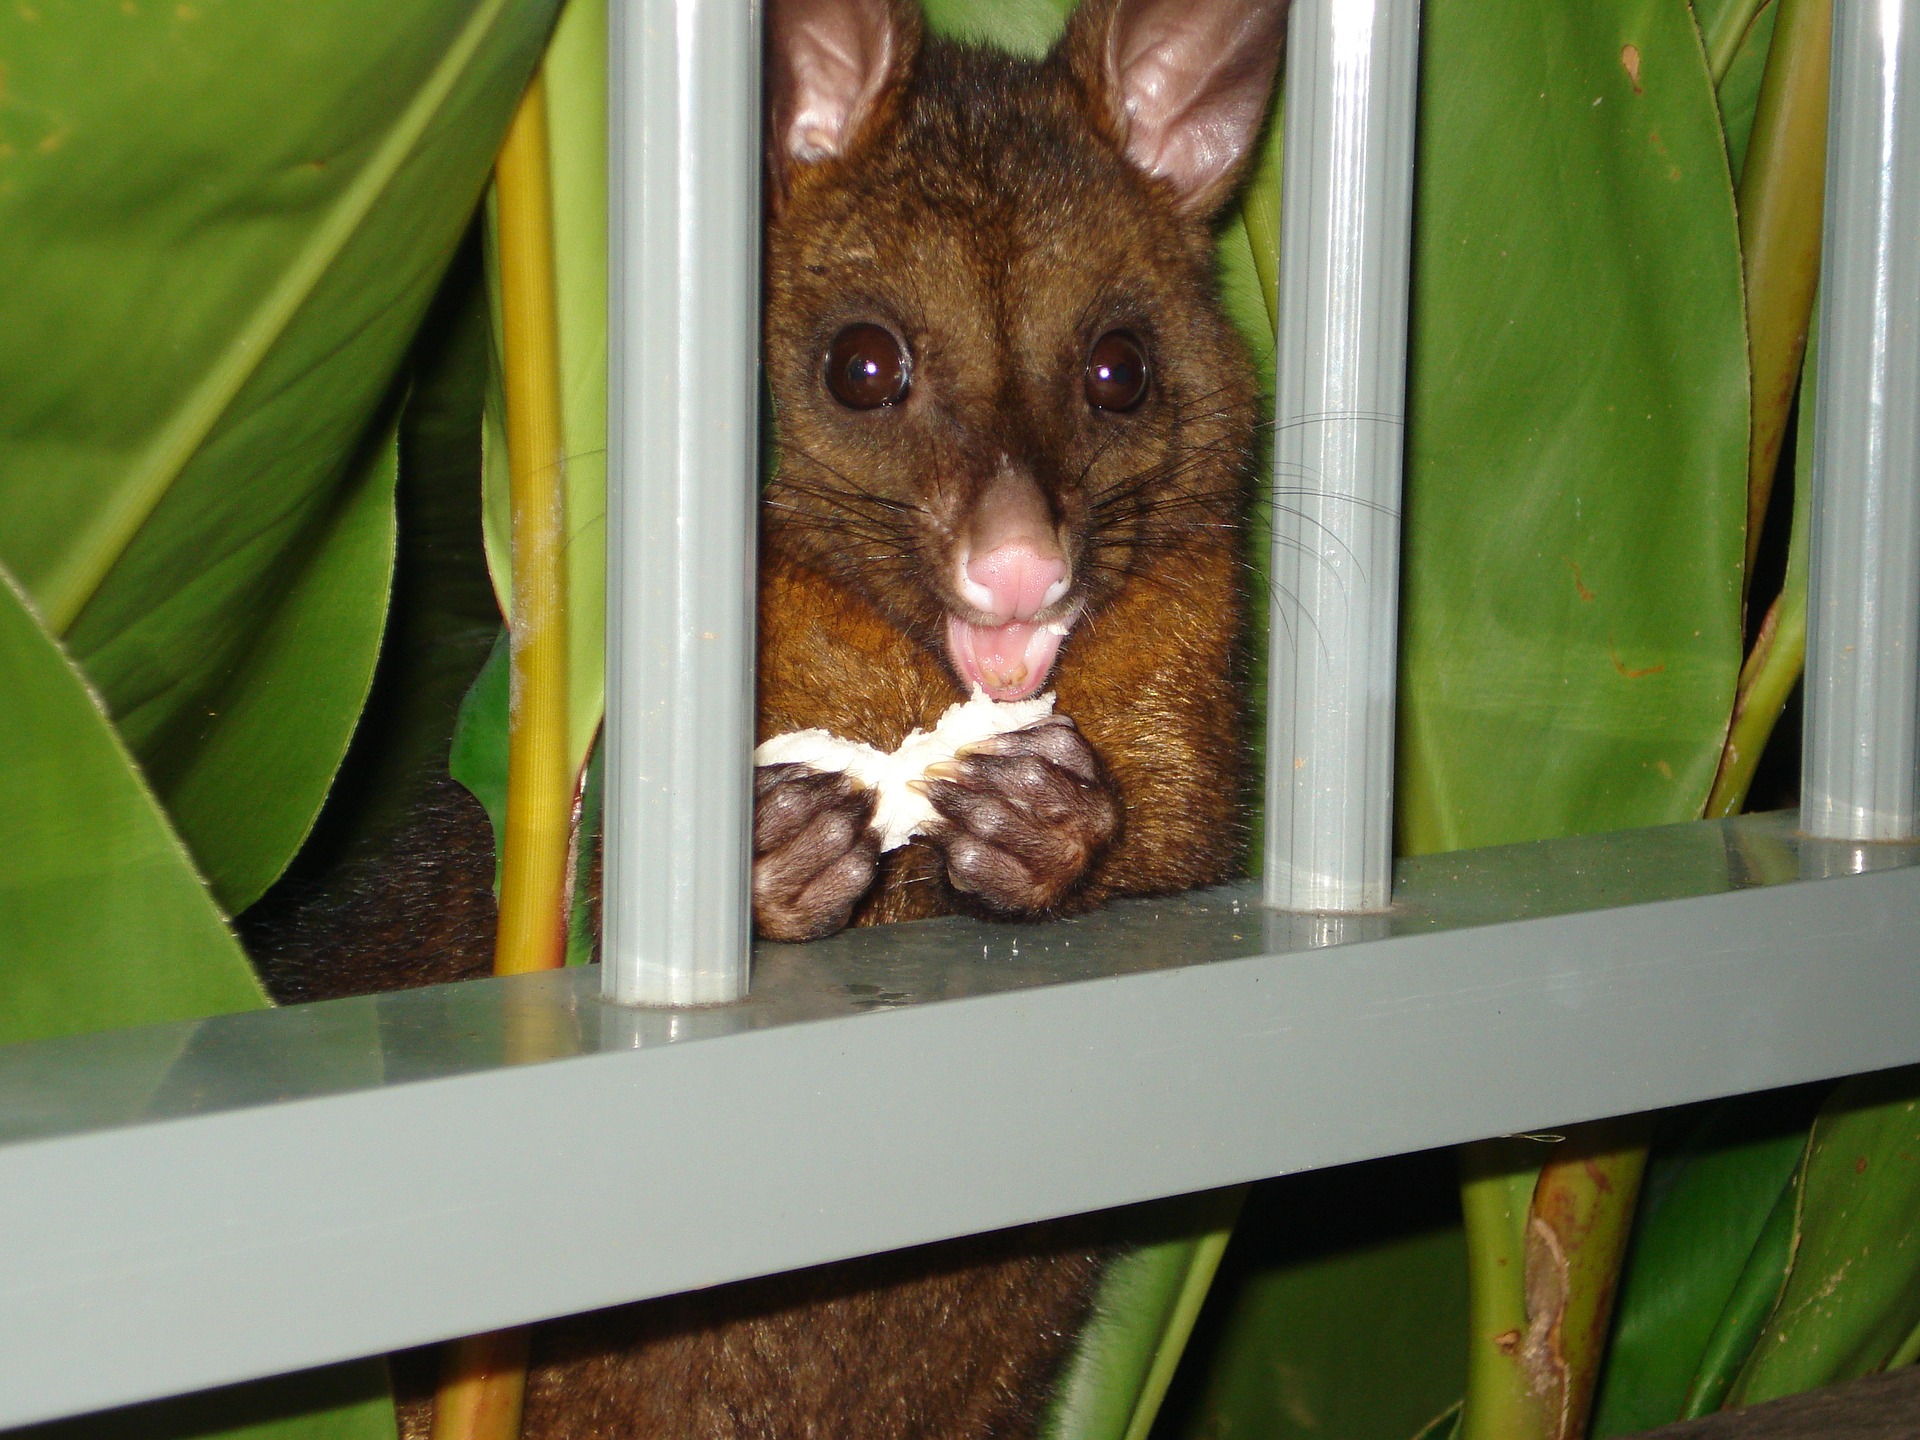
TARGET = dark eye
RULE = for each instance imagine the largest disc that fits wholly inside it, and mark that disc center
(1116, 372)
(867, 367)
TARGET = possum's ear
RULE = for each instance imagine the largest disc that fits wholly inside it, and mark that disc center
(1179, 85)
(831, 66)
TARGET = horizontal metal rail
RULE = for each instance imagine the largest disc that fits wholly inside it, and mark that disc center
(190, 1205)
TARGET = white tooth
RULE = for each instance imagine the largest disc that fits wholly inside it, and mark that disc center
(1056, 590)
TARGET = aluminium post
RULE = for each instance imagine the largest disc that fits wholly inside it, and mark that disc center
(683, 336)
(1339, 433)
(1858, 756)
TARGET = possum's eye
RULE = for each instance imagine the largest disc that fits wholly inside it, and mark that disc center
(1116, 372)
(867, 367)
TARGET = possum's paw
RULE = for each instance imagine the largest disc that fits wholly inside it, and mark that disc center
(814, 850)
(1022, 816)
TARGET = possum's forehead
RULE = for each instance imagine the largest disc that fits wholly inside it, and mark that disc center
(982, 257)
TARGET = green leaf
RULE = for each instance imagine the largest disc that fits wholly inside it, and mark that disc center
(442, 619)
(1148, 1301)
(220, 225)
(1853, 1294)
(314, 661)
(1754, 1293)
(479, 757)
(1707, 1196)
(1341, 1312)
(1724, 26)
(1576, 484)
(1739, 92)
(341, 1402)
(1025, 27)
(107, 924)
(576, 71)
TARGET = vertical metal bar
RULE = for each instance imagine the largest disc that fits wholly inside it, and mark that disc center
(1863, 601)
(684, 291)
(1346, 226)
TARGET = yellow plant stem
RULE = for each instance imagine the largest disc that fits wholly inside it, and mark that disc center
(484, 1377)
(533, 875)
(483, 1381)
(1781, 190)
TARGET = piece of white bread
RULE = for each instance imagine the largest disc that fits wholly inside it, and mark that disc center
(903, 813)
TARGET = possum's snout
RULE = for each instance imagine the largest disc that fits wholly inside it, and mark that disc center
(1011, 575)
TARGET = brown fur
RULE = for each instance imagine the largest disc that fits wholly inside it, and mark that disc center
(965, 257)
(903, 1346)
(987, 211)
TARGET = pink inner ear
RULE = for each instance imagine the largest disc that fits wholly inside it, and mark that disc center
(1193, 77)
(832, 59)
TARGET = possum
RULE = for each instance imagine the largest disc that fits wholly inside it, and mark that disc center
(1015, 440)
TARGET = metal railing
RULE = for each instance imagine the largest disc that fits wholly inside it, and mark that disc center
(200, 1204)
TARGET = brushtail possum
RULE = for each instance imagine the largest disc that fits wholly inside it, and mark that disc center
(1015, 433)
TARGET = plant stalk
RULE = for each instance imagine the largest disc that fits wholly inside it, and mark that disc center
(483, 1378)
(1497, 1179)
(1780, 650)
(1577, 1231)
(1782, 187)
(1544, 1245)
(540, 787)
(483, 1383)
(1766, 680)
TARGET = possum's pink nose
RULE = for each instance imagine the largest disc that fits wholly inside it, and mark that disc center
(1011, 567)
(1016, 581)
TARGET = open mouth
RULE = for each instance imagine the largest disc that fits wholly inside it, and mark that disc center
(1009, 662)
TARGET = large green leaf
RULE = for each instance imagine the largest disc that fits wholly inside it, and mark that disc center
(1853, 1294)
(220, 224)
(443, 618)
(1342, 1309)
(1704, 1203)
(1754, 1292)
(1578, 427)
(106, 923)
(314, 660)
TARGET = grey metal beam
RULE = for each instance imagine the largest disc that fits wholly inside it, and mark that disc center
(683, 466)
(1862, 740)
(191, 1205)
(1340, 411)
